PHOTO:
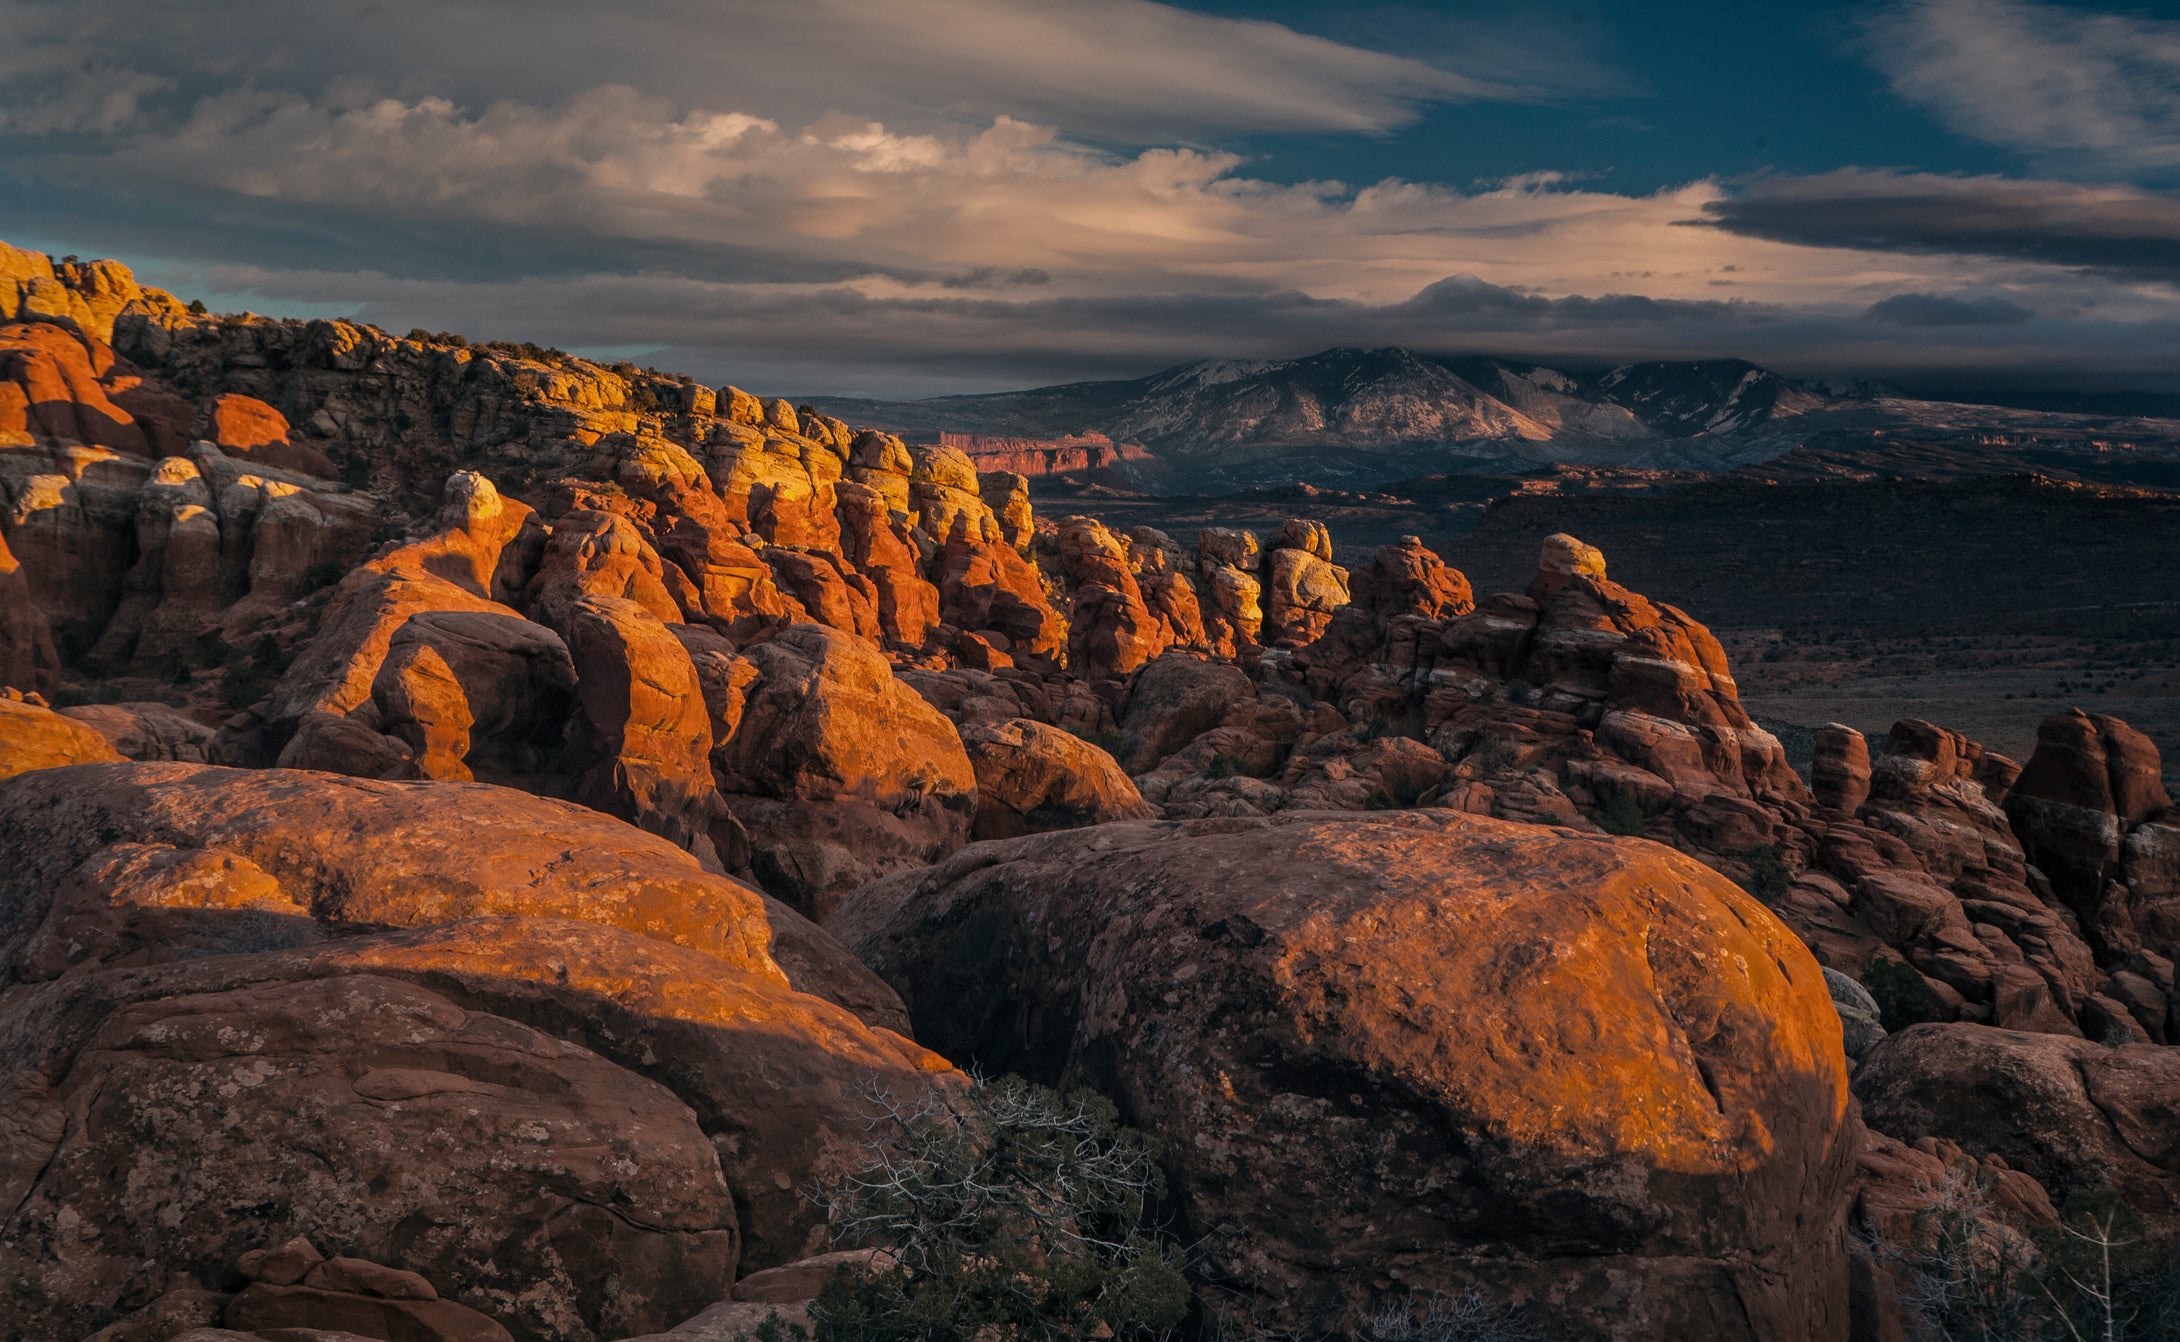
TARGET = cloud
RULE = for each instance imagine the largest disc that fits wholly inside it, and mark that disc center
(928, 195)
(2080, 91)
(2122, 230)
(630, 180)
(1915, 309)
(1124, 68)
(879, 339)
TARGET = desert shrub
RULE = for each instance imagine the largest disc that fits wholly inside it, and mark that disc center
(198, 309)
(1470, 1316)
(1496, 757)
(256, 931)
(1110, 740)
(2094, 1274)
(1770, 876)
(2101, 1274)
(1223, 765)
(1622, 814)
(1379, 800)
(1011, 1213)
(250, 676)
(1961, 1273)
(1903, 999)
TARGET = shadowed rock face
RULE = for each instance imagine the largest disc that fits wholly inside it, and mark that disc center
(577, 1092)
(2075, 1115)
(2092, 812)
(1587, 1074)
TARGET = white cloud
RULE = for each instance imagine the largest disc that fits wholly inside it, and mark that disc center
(2079, 90)
(1128, 68)
(905, 213)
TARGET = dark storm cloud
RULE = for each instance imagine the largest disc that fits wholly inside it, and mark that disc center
(839, 340)
(1939, 310)
(2119, 230)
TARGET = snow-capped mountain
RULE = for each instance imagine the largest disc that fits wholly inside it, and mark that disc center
(1351, 415)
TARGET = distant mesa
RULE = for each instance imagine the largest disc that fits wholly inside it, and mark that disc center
(1043, 456)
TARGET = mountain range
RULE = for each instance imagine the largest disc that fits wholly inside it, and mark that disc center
(1356, 415)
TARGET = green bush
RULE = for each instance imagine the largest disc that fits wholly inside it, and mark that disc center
(1622, 814)
(1012, 1213)
(250, 676)
(1770, 876)
(1903, 999)
(1226, 766)
(1110, 740)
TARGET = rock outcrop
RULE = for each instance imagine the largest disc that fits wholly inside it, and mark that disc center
(839, 771)
(2093, 815)
(1582, 1074)
(573, 1092)
(86, 296)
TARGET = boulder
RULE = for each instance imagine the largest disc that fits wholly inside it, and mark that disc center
(1032, 777)
(1839, 773)
(2074, 1114)
(33, 736)
(1176, 699)
(1111, 632)
(2091, 780)
(53, 389)
(439, 1135)
(390, 854)
(246, 427)
(1408, 578)
(1302, 587)
(1583, 1075)
(147, 732)
(644, 737)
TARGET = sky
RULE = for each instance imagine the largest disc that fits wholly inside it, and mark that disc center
(915, 197)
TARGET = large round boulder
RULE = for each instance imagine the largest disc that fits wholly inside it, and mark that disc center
(1418, 1052)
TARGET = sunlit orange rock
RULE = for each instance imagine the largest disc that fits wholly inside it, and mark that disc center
(1032, 777)
(839, 772)
(246, 427)
(33, 736)
(50, 390)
